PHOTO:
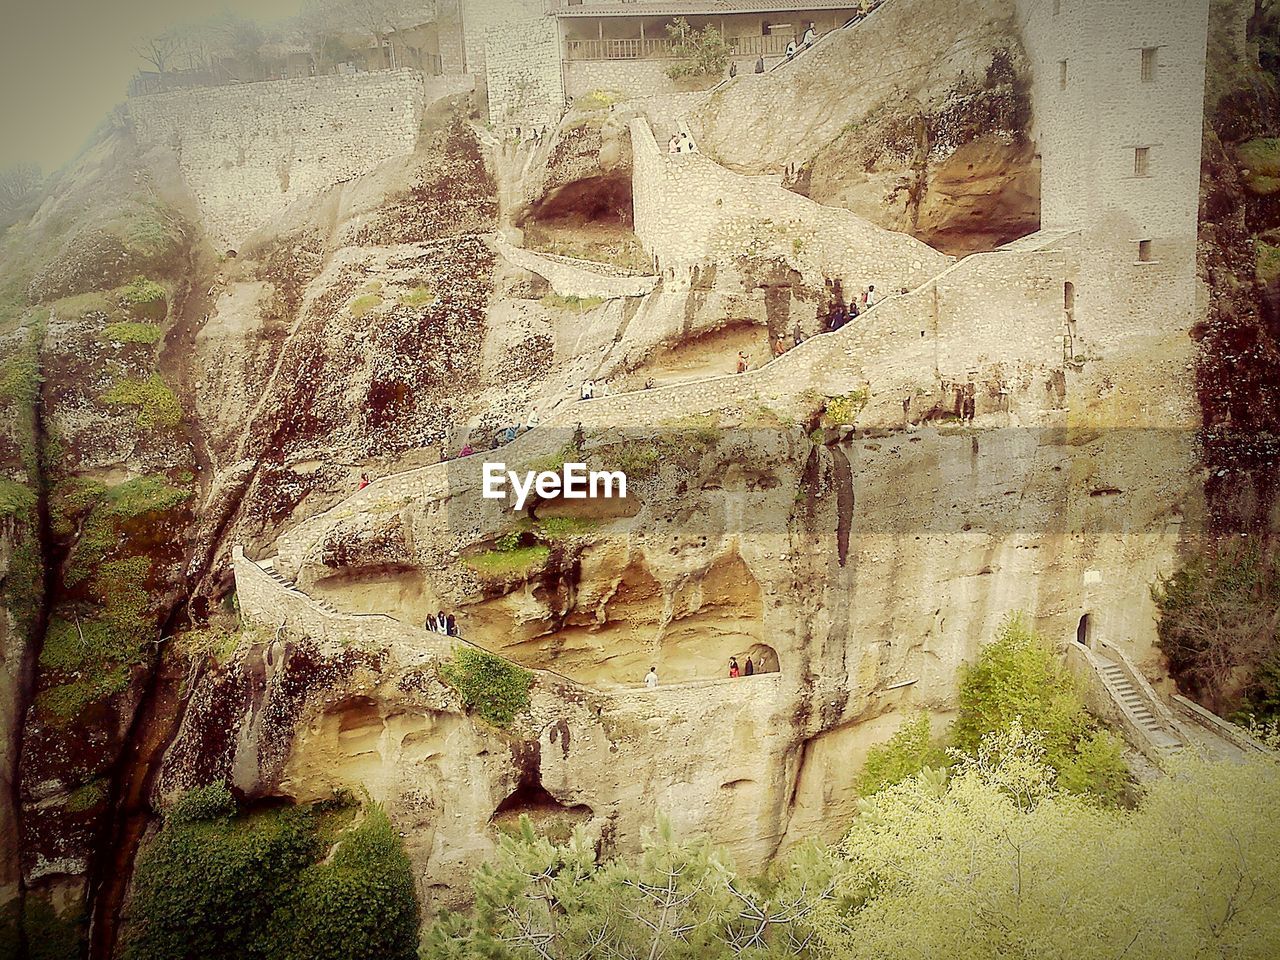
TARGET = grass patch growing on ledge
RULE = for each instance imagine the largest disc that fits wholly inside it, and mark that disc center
(17, 500)
(490, 687)
(575, 304)
(417, 297)
(508, 562)
(140, 291)
(132, 332)
(1268, 262)
(364, 304)
(156, 404)
(1261, 161)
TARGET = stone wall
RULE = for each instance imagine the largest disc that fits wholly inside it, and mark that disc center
(526, 85)
(570, 278)
(690, 210)
(480, 16)
(996, 316)
(249, 151)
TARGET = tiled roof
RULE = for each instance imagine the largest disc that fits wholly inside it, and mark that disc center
(655, 8)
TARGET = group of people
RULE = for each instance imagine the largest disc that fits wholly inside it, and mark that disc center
(501, 438)
(442, 623)
(681, 143)
(839, 314)
(748, 669)
(808, 40)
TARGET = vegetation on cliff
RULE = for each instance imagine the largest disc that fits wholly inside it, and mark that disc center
(300, 883)
(993, 861)
(493, 689)
(1017, 679)
(1220, 629)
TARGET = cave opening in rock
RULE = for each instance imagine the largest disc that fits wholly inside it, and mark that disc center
(549, 816)
(591, 219)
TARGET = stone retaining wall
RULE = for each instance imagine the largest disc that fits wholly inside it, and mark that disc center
(570, 280)
(248, 151)
(690, 210)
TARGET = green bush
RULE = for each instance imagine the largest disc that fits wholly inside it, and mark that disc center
(201, 805)
(156, 404)
(701, 53)
(291, 884)
(1018, 678)
(905, 754)
(846, 409)
(131, 332)
(50, 934)
(360, 906)
(1220, 624)
(490, 687)
(141, 290)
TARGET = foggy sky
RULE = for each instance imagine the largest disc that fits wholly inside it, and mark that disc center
(65, 63)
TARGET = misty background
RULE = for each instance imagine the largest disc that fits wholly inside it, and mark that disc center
(65, 63)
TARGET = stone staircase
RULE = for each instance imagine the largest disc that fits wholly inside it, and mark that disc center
(1139, 708)
(269, 568)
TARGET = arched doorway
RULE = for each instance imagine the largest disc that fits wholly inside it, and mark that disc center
(1084, 631)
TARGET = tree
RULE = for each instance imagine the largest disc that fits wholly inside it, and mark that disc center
(1220, 624)
(996, 862)
(678, 900)
(159, 50)
(907, 752)
(700, 53)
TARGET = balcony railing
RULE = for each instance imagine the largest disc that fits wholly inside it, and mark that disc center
(664, 49)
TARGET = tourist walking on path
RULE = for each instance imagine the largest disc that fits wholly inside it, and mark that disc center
(791, 50)
(673, 145)
(364, 482)
(743, 363)
(734, 672)
(870, 298)
(750, 669)
(450, 626)
(651, 678)
(467, 450)
(779, 348)
(588, 391)
(810, 37)
(760, 65)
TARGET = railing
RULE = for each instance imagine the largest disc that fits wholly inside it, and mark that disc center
(772, 45)
(630, 49)
(634, 48)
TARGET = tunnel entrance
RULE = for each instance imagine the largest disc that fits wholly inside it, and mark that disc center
(1084, 630)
